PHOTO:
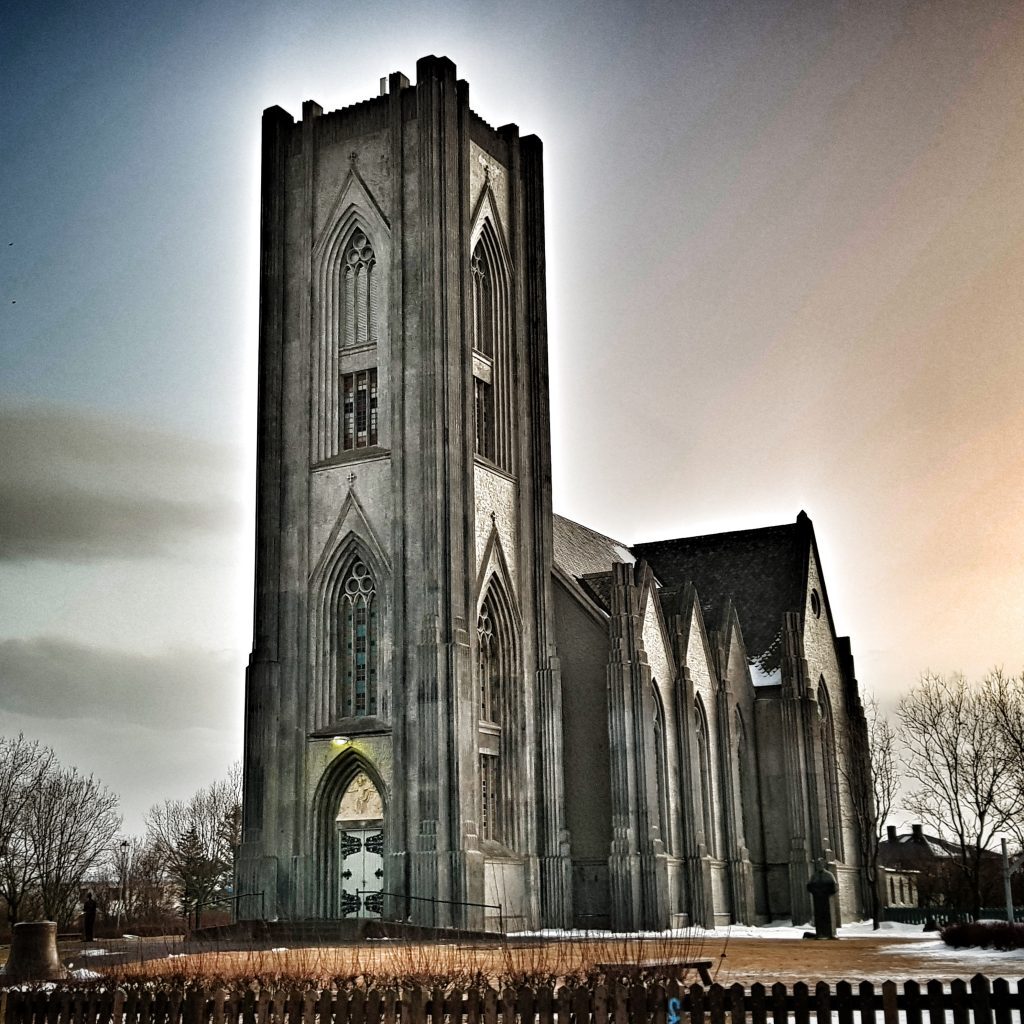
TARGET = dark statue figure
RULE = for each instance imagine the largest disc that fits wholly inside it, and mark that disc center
(89, 917)
(822, 888)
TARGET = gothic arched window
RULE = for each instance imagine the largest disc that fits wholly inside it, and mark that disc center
(661, 767)
(830, 770)
(744, 776)
(357, 641)
(704, 766)
(492, 362)
(358, 291)
(348, 304)
(496, 672)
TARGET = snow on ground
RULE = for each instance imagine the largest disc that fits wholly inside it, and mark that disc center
(776, 930)
(788, 930)
(937, 949)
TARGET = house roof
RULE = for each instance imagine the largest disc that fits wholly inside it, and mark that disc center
(911, 848)
(762, 571)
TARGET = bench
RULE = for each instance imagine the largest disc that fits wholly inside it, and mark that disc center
(673, 968)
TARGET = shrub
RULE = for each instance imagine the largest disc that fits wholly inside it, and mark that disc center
(987, 934)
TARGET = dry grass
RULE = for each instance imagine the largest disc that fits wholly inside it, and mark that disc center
(396, 963)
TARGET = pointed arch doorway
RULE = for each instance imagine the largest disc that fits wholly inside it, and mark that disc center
(359, 849)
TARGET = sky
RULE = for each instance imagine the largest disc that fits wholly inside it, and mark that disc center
(785, 255)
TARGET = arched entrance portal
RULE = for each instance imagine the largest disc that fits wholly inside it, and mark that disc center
(360, 849)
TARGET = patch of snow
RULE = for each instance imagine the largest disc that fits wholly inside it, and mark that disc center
(780, 929)
(759, 677)
(84, 974)
(937, 949)
(96, 952)
(279, 949)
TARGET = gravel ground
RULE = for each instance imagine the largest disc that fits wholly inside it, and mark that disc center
(742, 955)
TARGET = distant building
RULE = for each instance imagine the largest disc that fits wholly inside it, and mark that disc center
(931, 866)
(454, 695)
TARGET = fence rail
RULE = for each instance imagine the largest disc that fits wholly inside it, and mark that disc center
(980, 1001)
(943, 916)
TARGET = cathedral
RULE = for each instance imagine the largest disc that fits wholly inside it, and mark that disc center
(462, 709)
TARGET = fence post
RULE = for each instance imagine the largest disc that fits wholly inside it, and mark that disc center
(696, 1004)
(936, 1011)
(779, 1013)
(544, 999)
(524, 1004)
(737, 1011)
(758, 1009)
(490, 1006)
(562, 1001)
(580, 1008)
(844, 1002)
(1001, 1001)
(823, 1003)
(912, 999)
(958, 996)
(801, 1003)
(716, 1004)
(890, 1013)
(981, 1001)
(866, 1002)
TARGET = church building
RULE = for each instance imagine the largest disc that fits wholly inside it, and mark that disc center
(462, 709)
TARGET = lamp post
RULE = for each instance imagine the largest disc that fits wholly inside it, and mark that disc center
(124, 889)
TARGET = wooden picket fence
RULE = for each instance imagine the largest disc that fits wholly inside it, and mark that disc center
(977, 1002)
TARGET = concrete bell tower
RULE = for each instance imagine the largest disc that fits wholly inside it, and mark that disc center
(403, 698)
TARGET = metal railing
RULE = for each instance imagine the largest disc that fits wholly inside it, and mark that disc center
(436, 899)
(191, 908)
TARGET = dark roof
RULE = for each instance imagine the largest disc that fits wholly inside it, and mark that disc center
(599, 586)
(580, 551)
(587, 557)
(913, 850)
(761, 570)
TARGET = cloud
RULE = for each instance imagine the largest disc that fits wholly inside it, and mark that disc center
(149, 726)
(76, 487)
(56, 678)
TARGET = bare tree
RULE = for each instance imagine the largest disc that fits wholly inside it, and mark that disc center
(23, 765)
(70, 820)
(964, 775)
(1006, 696)
(870, 769)
(142, 880)
(197, 839)
(17, 876)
